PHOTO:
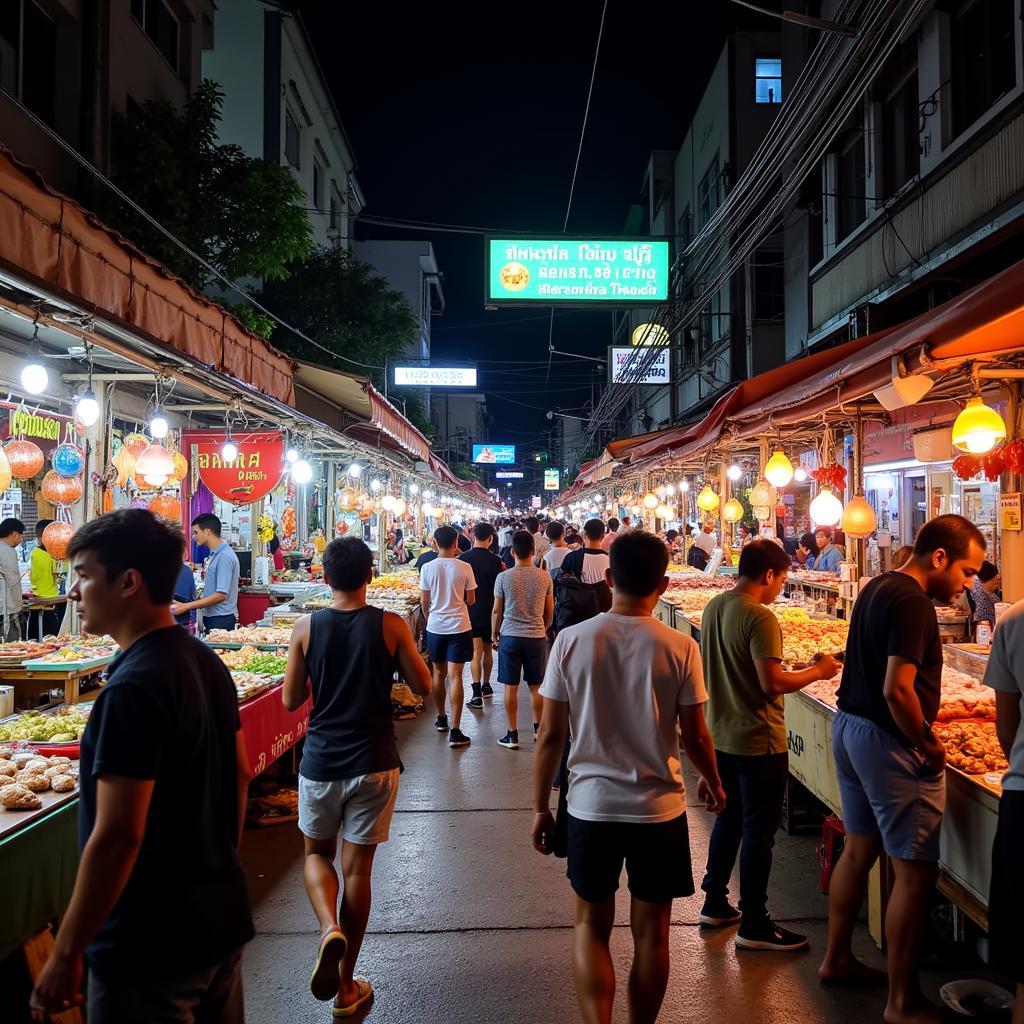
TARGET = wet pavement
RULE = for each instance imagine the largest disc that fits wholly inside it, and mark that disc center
(470, 924)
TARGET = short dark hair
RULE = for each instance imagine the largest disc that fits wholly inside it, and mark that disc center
(573, 538)
(348, 563)
(483, 531)
(208, 521)
(41, 525)
(988, 571)
(555, 531)
(951, 533)
(670, 535)
(446, 536)
(807, 540)
(134, 538)
(613, 524)
(593, 529)
(761, 555)
(638, 562)
(523, 544)
(532, 524)
(12, 525)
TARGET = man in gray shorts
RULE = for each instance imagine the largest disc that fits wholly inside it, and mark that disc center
(889, 762)
(348, 776)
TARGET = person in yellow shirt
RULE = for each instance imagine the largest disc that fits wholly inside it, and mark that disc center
(42, 577)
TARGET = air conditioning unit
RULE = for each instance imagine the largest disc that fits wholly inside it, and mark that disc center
(934, 445)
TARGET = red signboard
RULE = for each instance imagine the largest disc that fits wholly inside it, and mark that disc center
(46, 429)
(269, 729)
(251, 476)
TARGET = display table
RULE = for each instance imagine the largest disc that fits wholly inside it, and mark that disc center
(71, 681)
(270, 730)
(43, 604)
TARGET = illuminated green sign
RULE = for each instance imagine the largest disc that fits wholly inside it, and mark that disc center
(538, 271)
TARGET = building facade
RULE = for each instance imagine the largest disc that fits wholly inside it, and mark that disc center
(461, 420)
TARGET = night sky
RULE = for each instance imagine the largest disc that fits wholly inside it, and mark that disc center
(469, 114)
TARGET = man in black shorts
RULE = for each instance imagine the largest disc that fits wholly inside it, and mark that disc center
(485, 565)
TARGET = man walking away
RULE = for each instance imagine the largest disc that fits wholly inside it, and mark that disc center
(741, 642)
(622, 681)
(12, 532)
(610, 534)
(505, 532)
(486, 566)
(447, 591)
(1005, 674)
(348, 776)
(590, 564)
(220, 589)
(160, 907)
(540, 542)
(524, 604)
(555, 554)
(889, 762)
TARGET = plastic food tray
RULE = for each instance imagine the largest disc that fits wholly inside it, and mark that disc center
(220, 645)
(67, 666)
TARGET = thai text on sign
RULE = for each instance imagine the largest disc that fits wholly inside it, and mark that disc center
(251, 476)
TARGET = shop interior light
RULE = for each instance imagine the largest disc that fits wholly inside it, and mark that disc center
(799, 474)
(707, 500)
(684, 485)
(669, 489)
(34, 377)
(292, 455)
(826, 509)
(778, 470)
(663, 512)
(732, 511)
(414, 488)
(355, 470)
(979, 428)
(734, 472)
(302, 472)
(650, 500)
(158, 425)
(87, 409)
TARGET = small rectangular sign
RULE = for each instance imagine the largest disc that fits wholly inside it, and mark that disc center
(545, 271)
(551, 482)
(1010, 511)
(436, 376)
(535, 501)
(508, 474)
(494, 454)
(622, 363)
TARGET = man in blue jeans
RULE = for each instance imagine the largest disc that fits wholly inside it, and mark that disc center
(742, 647)
(220, 589)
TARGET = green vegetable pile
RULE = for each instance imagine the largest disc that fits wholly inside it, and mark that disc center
(267, 664)
(37, 728)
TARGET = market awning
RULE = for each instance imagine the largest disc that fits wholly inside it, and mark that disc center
(49, 239)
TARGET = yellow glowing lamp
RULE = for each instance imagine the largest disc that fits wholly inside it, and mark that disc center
(707, 500)
(650, 500)
(859, 519)
(732, 511)
(979, 428)
(761, 494)
(779, 470)
(663, 512)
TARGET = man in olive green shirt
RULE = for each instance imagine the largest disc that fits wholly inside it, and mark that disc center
(741, 644)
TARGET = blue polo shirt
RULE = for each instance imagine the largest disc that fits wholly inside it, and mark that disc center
(222, 577)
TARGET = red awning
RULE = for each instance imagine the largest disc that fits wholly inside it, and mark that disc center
(390, 421)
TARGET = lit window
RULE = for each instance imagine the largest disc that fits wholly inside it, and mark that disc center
(767, 80)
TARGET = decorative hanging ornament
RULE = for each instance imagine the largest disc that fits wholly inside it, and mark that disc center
(6, 476)
(388, 502)
(167, 507)
(399, 508)
(979, 428)
(68, 459)
(125, 463)
(708, 500)
(778, 470)
(25, 457)
(826, 509)
(154, 466)
(761, 494)
(56, 538)
(61, 490)
(180, 467)
(732, 511)
(663, 512)
(859, 519)
(135, 443)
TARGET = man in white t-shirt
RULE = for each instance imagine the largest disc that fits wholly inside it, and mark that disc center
(447, 589)
(552, 560)
(707, 539)
(623, 680)
(540, 542)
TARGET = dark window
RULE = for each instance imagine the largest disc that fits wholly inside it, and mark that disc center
(815, 202)
(318, 185)
(851, 208)
(708, 194)
(160, 25)
(712, 324)
(984, 63)
(901, 150)
(292, 140)
(335, 207)
(28, 56)
(767, 80)
(685, 229)
(769, 284)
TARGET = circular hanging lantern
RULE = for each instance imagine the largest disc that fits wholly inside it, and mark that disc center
(979, 428)
(25, 457)
(180, 467)
(388, 502)
(347, 498)
(5, 472)
(135, 443)
(761, 513)
(68, 459)
(635, 510)
(56, 538)
(663, 512)
(761, 494)
(826, 509)
(399, 508)
(650, 500)
(154, 465)
(859, 519)
(707, 500)
(732, 511)
(778, 470)
(125, 463)
(167, 507)
(61, 490)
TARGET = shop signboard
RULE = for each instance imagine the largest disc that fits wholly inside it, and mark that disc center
(494, 454)
(436, 376)
(577, 272)
(551, 482)
(46, 429)
(251, 476)
(622, 364)
(1010, 511)
(535, 501)
(509, 474)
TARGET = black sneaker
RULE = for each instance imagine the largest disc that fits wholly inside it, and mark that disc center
(510, 740)
(457, 738)
(441, 725)
(769, 936)
(475, 702)
(486, 690)
(717, 915)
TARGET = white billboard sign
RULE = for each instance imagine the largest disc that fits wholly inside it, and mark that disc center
(435, 376)
(621, 368)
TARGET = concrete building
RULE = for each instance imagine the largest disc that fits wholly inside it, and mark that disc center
(76, 63)
(410, 267)
(277, 106)
(462, 420)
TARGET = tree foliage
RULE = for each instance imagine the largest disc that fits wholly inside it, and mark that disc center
(243, 215)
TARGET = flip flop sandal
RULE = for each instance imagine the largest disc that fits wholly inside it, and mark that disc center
(324, 980)
(365, 995)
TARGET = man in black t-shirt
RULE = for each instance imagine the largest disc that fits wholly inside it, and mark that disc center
(889, 762)
(591, 563)
(160, 907)
(486, 565)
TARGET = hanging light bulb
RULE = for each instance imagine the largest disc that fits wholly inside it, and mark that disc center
(734, 472)
(87, 409)
(732, 511)
(34, 377)
(229, 450)
(859, 519)
(669, 489)
(707, 500)
(826, 509)
(302, 472)
(778, 470)
(158, 425)
(979, 428)
(355, 470)
(414, 488)
(388, 502)
(375, 485)
(650, 500)
(684, 485)
(292, 455)
(799, 474)
(399, 507)
(663, 512)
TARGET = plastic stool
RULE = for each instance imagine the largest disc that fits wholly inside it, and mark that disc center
(830, 846)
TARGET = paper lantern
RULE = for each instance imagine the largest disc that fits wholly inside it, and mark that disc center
(761, 512)
(663, 512)
(135, 443)
(61, 490)
(180, 467)
(154, 465)
(388, 502)
(25, 458)
(979, 428)
(167, 507)
(826, 509)
(859, 519)
(732, 511)
(56, 538)
(761, 494)
(125, 463)
(5, 472)
(650, 501)
(707, 500)
(778, 470)
(399, 508)
(68, 459)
